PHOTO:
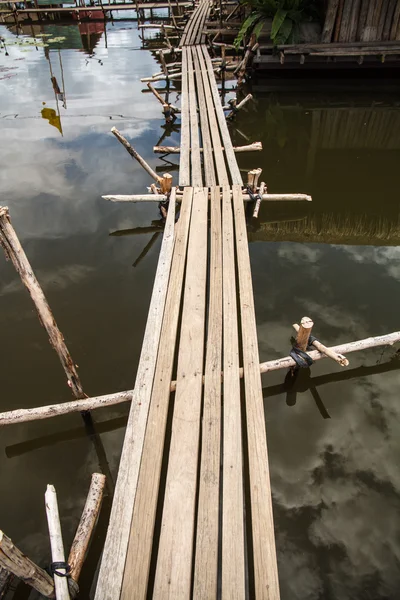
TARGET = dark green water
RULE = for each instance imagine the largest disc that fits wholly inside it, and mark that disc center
(336, 480)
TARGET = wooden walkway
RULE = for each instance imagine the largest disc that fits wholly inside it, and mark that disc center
(193, 32)
(192, 511)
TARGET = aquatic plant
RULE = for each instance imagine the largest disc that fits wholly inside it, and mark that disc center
(286, 16)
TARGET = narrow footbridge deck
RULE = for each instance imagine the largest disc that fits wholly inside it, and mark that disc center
(192, 512)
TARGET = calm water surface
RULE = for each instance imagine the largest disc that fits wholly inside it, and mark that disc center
(335, 448)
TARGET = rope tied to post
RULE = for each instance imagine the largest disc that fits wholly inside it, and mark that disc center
(254, 196)
(302, 359)
(60, 565)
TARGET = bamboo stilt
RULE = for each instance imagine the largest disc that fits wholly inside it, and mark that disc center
(56, 542)
(259, 200)
(166, 183)
(86, 525)
(304, 332)
(14, 561)
(14, 251)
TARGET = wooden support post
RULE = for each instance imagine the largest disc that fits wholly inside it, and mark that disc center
(250, 179)
(86, 525)
(56, 543)
(163, 63)
(251, 49)
(135, 155)
(167, 40)
(257, 173)
(259, 200)
(306, 325)
(166, 183)
(14, 561)
(339, 358)
(14, 251)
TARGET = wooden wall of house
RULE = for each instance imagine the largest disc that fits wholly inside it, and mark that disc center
(362, 21)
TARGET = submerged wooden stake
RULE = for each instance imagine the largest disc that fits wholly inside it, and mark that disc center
(135, 155)
(14, 561)
(86, 525)
(14, 251)
(56, 542)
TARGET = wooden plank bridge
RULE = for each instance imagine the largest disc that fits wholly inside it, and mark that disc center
(192, 510)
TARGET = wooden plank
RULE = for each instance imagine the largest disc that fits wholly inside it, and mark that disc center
(329, 21)
(354, 19)
(208, 161)
(191, 26)
(174, 565)
(382, 18)
(362, 19)
(345, 24)
(233, 563)
(196, 179)
(395, 23)
(206, 559)
(184, 163)
(222, 174)
(367, 34)
(229, 153)
(264, 552)
(389, 20)
(144, 512)
(202, 20)
(116, 545)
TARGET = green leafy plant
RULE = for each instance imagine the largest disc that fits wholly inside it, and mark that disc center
(286, 16)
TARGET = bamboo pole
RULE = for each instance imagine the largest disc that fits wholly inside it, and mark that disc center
(56, 543)
(53, 410)
(14, 251)
(339, 358)
(163, 198)
(14, 561)
(135, 155)
(86, 525)
(254, 147)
